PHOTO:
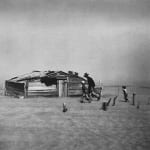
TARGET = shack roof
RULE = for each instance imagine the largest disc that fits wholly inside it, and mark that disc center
(34, 75)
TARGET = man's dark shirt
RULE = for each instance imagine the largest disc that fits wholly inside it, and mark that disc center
(91, 82)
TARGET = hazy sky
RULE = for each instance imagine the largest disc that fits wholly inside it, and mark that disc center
(110, 39)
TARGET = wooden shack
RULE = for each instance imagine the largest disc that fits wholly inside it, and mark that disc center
(45, 83)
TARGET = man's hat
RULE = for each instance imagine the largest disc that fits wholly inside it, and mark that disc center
(86, 74)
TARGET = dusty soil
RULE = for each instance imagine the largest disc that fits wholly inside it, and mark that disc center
(40, 124)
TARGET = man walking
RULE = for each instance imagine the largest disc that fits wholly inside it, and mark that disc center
(91, 86)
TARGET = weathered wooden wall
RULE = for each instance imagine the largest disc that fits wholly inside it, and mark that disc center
(70, 86)
(14, 88)
(74, 89)
(74, 86)
(36, 88)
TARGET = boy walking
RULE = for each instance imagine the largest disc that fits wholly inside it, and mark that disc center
(84, 90)
(124, 89)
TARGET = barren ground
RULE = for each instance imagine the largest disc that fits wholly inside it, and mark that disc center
(40, 124)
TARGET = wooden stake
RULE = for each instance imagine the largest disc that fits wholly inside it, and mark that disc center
(108, 102)
(114, 100)
(138, 105)
(104, 106)
(133, 99)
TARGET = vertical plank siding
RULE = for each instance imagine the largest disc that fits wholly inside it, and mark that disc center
(36, 88)
(14, 88)
(74, 86)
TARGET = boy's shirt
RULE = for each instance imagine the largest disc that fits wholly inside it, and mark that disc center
(84, 88)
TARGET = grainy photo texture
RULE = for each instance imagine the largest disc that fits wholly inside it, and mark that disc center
(74, 75)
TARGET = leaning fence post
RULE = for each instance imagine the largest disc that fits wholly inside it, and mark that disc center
(114, 100)
(108, 102)
(133, 99)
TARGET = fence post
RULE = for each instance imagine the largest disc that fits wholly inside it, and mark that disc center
(108, 102)
(133, 99)
(138, 105)
(104, 106)
(114, 100)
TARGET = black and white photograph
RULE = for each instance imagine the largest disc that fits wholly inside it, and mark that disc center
(74, 74)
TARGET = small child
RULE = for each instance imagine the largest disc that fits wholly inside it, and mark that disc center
(124, 89)
(84, 91)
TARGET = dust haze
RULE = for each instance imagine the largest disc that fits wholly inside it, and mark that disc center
(107, 39)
